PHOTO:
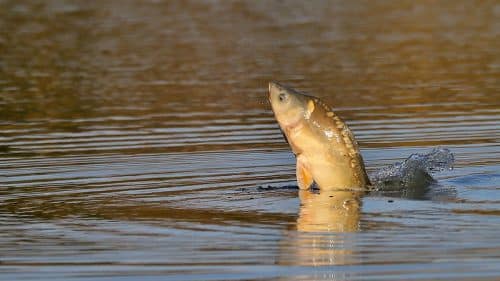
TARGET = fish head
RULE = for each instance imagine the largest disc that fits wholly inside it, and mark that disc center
(289, 106)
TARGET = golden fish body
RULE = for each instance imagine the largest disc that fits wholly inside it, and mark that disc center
(326, 151)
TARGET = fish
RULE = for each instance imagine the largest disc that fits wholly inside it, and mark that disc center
(327, 154)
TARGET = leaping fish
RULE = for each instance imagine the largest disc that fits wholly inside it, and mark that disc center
(327, 153)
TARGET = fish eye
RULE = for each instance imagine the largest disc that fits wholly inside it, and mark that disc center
(282, 97)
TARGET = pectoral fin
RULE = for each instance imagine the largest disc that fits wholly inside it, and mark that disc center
(304, 176)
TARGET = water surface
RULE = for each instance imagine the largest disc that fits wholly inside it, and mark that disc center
(136, 141)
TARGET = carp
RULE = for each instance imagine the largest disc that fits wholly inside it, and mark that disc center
(326, 151)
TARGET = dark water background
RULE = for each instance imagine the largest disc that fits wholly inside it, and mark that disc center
(134, 136)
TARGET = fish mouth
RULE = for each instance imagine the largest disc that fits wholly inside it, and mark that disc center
(270, 89)
(274, 88)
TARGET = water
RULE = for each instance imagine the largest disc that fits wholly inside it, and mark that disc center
(413, 177)
(136, 141)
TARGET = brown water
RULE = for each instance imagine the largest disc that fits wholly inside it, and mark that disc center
(134, 136)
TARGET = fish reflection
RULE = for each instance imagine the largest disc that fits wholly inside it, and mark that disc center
(333, 211)
(323, 226)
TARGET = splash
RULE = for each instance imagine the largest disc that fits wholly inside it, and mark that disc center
(414, 172)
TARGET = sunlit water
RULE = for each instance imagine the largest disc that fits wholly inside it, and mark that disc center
(136, 141)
